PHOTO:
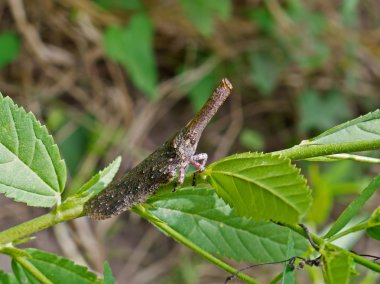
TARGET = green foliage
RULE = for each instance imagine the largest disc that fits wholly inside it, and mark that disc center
(99, 181)
(132, 46)
(261, 186)
(202, 13)
(355, 206)
(53, 267)
(336, 267)
(122, 4)
(203, 218)
(312, 104)
(198, 94)
(31, 169)
(252, 139)
(363, 128)
(10, 48)
(266, 67)
(6, 278)
(257, 190)
(108, 277)
(336, 180)
(373, 229)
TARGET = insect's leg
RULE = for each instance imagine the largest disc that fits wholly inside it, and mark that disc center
(181, 178)
(198, 161)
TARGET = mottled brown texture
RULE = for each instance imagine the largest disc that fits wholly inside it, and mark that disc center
(158, 168)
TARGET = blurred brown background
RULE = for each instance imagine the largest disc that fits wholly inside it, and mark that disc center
(119, 77)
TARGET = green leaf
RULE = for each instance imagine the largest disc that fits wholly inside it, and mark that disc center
(354, 207)
(201, 13)
(336, 267)
(312, 104)
(203, 218)
(10, 48)
(263, 19)
(374, 232)
(262, 186)
(288, 275)
(198, 95)
(107, 272)
(31, 169)
(132, 46)
(6, 278)
(266, 68)
(252, 139)
(99, 181)
(362, 129)
(55, 268)
(373, 229)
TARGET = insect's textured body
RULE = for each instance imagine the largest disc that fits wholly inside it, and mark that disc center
(160, 167)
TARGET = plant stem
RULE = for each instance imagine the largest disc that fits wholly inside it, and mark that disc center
(300, 152)
(353, 229)
(39, 223)
(320, 242)
(183, 240)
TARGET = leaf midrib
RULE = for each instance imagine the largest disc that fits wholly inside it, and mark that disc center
(257, 184)
(18, 159)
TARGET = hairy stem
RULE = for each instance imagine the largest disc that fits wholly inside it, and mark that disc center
(353, 229)
(300, 152)
(39, 223)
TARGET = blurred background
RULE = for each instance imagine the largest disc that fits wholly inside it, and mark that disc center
(118, 77)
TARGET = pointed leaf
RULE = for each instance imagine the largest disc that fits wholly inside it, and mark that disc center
(31, 169)
(99, 181)
(107, 272)
(262, 186)
(132, 46)
(206, 220)
(354, 207)
(55, 268)
(362, 129)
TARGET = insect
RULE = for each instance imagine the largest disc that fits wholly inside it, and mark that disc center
(161, 166)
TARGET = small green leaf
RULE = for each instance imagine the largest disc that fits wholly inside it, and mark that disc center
(288, 275)
(252, 139)
(354, 207)
(336, 267)
(373, 229)
(266, 68)
(202, 13)
(10, 48)
(107, 272)
(202, 217)
(261, 186)
(6, 278)
(53, 267)
(374, 232)
(31, 169)
(362, 129)
(132, 46)
(99, 181)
